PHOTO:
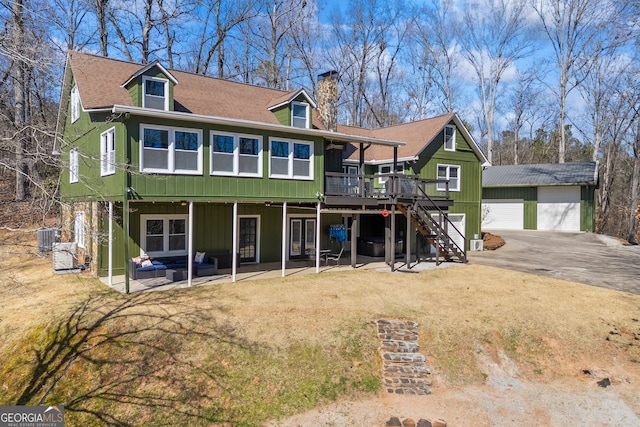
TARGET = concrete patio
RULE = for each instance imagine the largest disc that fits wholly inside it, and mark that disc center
(270, 271)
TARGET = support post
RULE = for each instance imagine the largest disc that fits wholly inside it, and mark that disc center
(234, 245)
(110, 267)
(318, 241)
(284, 239)
(392, 252)
(354, 240)
(125, 226)
(409, 237)
(190, 249)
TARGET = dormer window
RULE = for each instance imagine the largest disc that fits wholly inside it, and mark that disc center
(299, 115)
(155, 93)
(450, 138)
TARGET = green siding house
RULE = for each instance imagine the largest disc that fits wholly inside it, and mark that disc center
(163, 163)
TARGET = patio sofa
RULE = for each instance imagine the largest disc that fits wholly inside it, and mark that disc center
(147, 268)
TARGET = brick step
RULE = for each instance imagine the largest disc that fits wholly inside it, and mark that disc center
(406, 382)
(403, 357)
(397, 324)
(394, 346)
(409, 391)
(398, 335)
(406, 368)
(424, 373)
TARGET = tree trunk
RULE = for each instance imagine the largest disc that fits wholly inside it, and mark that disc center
(102, 26)
(635, 183)
(20, 88)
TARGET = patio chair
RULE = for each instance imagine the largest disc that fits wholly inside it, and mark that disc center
(333, 257)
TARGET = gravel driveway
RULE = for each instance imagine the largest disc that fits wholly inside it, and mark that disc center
(587, 258)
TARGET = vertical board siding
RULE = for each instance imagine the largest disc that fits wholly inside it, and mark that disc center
(159, 186)
(587, 208)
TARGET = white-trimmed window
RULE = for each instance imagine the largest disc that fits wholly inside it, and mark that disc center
(170, 150)
(75, 104)
(108, 152)
(73, 165)
(290, 159)
(78, 229)
(236, 154)
(450, 173)
(450, 138)
(155, 93)
(386, 169)
(163, 235)
(299, 115)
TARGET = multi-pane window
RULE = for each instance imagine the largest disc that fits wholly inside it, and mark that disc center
(290, 159)
(299, 115)
(108, 152)
(155, 93)
(450, 173)
(78, 229)
(75, 104)
(164, 234)
(450, 138)
(386, 169)
(171, 150)
(73, 165)
(233, 154)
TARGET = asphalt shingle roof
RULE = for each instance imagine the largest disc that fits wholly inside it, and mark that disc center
(541, 174)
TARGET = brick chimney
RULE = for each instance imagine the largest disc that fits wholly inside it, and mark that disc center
(327, 98)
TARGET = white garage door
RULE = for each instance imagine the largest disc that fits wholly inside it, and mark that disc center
(559, 208)
(458, 221)
(503, 214)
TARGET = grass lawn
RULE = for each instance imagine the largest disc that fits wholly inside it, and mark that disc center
(255, 351)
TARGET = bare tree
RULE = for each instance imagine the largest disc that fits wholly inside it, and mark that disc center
(578, 33)
(495, 39)
(438, 57)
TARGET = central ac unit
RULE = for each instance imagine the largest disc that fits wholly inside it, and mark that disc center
(477, 245)
(64, 256)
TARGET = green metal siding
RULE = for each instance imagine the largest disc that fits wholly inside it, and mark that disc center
(213, 229)
(168, 186)
(84, 134)
(283, 115)
(587, 208)
(468, 199)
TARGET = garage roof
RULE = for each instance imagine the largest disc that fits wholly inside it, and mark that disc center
(585, 173)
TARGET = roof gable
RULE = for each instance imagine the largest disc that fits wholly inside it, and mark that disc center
(154, 64)
(418, 135)
(585, 173)
(289, 97)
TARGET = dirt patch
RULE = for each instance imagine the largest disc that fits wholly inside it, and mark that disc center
(491, 242)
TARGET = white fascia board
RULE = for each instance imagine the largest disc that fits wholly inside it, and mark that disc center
(149, 66)
(294, 96)
(175, 115)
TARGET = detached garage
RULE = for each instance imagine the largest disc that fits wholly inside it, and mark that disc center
(558, 196)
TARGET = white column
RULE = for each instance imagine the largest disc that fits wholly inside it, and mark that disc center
(318, 241)
(110, 244)
(234, 251)
(190, 251)
(284, 239)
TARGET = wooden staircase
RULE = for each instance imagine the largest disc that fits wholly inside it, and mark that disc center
(436, 231)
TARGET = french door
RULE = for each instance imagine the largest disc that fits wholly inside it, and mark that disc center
(248, 239)
(302, 239)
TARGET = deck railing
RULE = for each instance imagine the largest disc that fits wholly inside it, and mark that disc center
(395, 185)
